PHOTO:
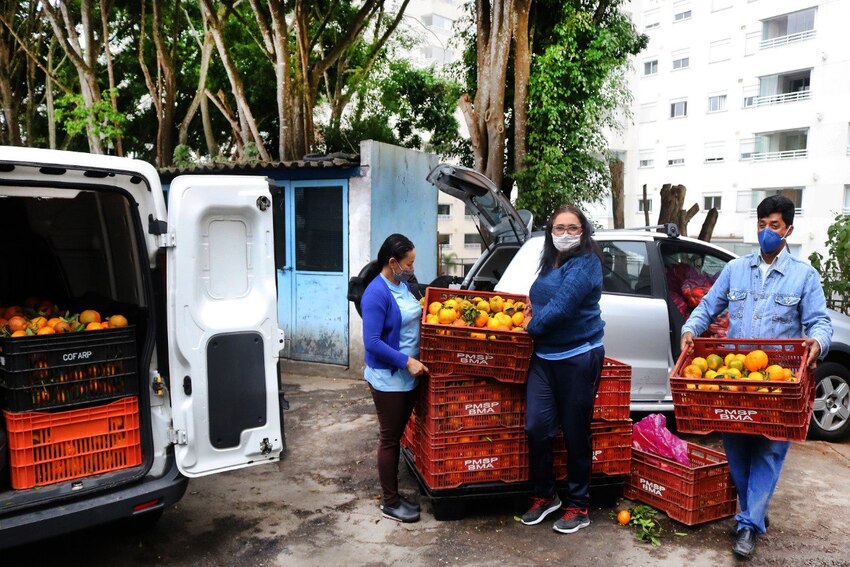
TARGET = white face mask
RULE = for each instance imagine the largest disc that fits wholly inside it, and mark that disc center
(566, 242)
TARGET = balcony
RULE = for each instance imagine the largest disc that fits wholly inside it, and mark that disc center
(786, 39)
(779, 89)
(775, 146)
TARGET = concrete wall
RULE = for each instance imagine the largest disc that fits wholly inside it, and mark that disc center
(390, 195)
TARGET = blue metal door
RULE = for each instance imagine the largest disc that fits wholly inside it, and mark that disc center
(312, 235)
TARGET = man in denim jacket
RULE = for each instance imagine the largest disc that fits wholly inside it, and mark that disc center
(770, 295)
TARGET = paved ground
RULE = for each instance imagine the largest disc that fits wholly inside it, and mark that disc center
(318, 507)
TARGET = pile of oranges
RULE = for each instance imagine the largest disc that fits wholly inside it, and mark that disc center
(42, 317)
(749, 368)
(495, 313)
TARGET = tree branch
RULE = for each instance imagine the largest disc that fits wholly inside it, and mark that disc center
(34, 58)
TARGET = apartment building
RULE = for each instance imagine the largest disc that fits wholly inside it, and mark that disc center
(738, 100)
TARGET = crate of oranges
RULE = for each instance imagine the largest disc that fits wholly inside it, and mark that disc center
(475, 333)
(755, 386)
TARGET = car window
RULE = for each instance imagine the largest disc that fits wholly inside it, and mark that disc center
(625, 268)
(689, 272)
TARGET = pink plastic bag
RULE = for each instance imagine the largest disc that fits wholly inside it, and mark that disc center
(651, 435)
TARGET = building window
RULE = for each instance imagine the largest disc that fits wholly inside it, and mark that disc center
(647, 112)
(437, 21)
(720, 50)
(715, 152)
(711, 202)
(682, 16)
(444, 240)
(650, 67)
(652, 19)
(644, 163)
(681, 63)
(644, 205)
(717, 103)
(646, 158)
(788, 28)
(675, 155)
(471, 240)
(793, 193)
(846, 209)
(444, 211)
(679, 109)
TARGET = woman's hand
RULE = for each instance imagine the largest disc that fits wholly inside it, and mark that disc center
(527, 312)
(415, 367)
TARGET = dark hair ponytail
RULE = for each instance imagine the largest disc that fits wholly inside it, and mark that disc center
(395, 246)
(550, 258)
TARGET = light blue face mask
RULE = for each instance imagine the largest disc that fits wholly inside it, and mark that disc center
(770, 241)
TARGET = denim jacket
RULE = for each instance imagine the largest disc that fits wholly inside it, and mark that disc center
(781, 306)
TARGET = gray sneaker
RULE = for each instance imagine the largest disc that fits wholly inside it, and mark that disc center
(572, 521)
(540, 508)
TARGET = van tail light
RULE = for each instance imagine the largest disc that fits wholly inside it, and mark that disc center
(147, 505)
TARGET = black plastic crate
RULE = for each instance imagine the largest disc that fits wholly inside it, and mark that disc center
(66, 349)
(58, 371)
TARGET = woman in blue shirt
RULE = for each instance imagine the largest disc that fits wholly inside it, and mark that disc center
(567, 365)
(391, 317)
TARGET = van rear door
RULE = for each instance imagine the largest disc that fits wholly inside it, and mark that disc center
(222, 323)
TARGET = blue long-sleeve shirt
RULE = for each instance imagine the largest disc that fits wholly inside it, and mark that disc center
(565, 313)
(782, 306)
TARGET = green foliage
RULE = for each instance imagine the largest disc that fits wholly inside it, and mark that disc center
(646, 527)
(183, 156)
(76, 118)
(576, 87)
(835, 269)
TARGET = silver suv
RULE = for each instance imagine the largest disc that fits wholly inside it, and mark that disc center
(643, 323)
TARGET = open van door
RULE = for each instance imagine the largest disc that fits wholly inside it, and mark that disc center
(222, 324)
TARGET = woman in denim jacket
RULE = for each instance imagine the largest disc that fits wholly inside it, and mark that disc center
(770, 295)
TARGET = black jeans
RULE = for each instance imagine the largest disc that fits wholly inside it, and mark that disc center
(560, 395)
(393, 409)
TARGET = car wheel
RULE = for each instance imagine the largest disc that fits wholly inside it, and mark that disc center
(831, 413)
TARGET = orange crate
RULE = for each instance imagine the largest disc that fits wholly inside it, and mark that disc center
(614, 394)
(691, 495)
(779, 415)
(612, 449)
(446, 349)
(46, 448)
(449, 461)
(448, 404)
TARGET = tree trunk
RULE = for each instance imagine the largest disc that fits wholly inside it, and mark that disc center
(48, 95)
(522, 71)
(708, 225)
(670, 210)
(618, 192)
(113, 93)
(197, 100)
(167, 86)
(645, 208)
(486, 116)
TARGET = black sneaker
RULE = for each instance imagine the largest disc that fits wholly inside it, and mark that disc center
(540, 508)
(734, 530)
(572, 521)
(745, 545)
(400, 512)
(410, 504)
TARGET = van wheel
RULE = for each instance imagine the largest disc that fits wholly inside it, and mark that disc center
(831, 413)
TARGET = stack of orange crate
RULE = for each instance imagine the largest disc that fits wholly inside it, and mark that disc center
(468, 425)
(53, 390)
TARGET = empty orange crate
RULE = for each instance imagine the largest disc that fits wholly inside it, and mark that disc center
(448, 404)
(691, 495)
(46, 448)
(445, 349)
(612, 449)
(614, 394)
(781, 414)
(449, 461)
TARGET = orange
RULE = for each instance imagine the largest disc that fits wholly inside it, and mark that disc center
(710, 374)
(435, 307)
(755, 376)
(497, 304)
(12, 311)
(19, 334)
(52, 321)
(17, 323)
(734, 373)
(479, 336)
(117, 321)
(93, 326)
(517, 319)
(89, 316)
(714, 361)
(38, 322)
(483, 306)
(519, 306)
(756, 360)
(624, 517)
(481, 319)
(446, 316)
(46, 331)
(729, 358)
(493, 323)
(775, 372)
(701, 362)
(451, 304)
(432, 319)
(693, 371)
(62, 327)
(737, 364)
(104, 324)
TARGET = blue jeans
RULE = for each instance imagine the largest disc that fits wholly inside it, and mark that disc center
(560, 394)
(755, 463)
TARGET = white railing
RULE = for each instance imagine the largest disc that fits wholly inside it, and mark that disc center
(786, 39)
(772, 156)
(798, 211)
(848, 150)
(768, 100)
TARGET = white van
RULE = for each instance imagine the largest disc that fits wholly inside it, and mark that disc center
(197, 283)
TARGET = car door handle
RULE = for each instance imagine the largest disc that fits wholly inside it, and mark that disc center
(287, 268)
